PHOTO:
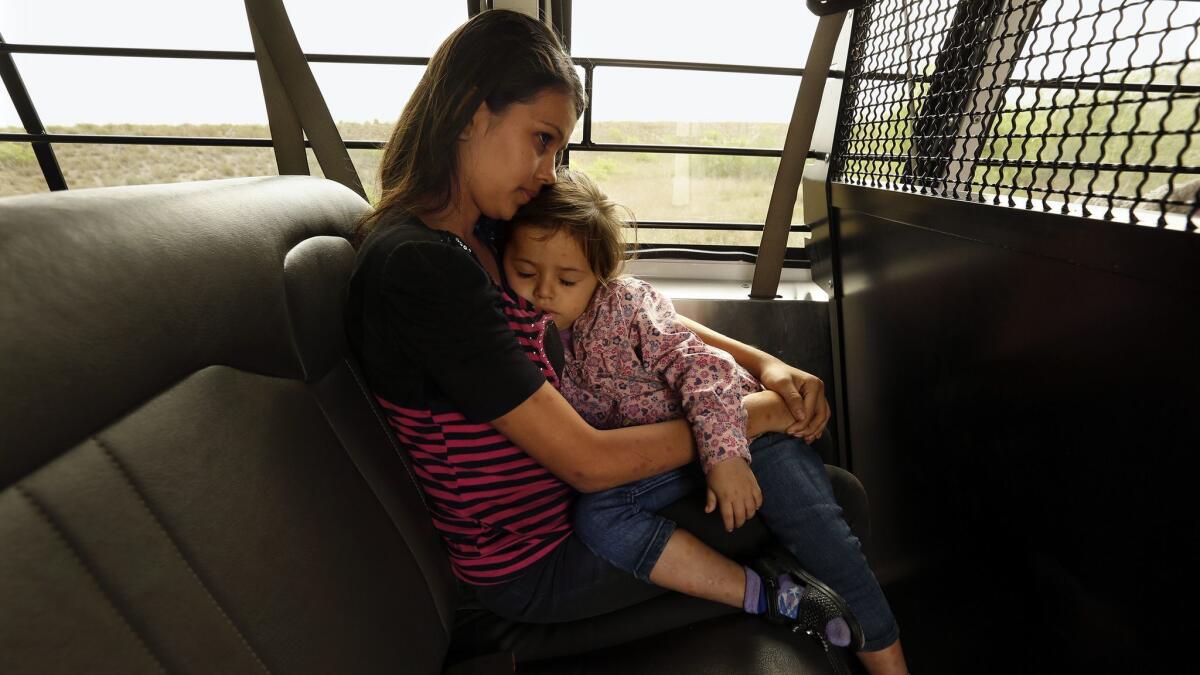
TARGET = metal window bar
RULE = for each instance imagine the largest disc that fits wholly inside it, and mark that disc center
(1102, 121)
(210, 54)
(588, 64)
(30, 120)
(795, 257)
(723, 227)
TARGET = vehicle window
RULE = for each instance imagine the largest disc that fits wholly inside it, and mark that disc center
(725, 193)
(642, 105)
(126, 23)
(106, 99)
(1073, 106)
(393, 28)
(145, 96)
(365, 99)
(19, 169)
(751, 32)
(86, 165)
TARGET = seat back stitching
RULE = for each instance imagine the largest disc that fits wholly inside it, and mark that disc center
(77, 554)
(146, 505)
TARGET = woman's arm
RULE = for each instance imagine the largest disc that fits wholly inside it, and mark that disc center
(707, 380)
(803, 392)
(587, 459)
(750, 358)
(442, 309)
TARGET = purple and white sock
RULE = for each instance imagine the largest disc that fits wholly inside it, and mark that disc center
(754, 600)
(790, 594)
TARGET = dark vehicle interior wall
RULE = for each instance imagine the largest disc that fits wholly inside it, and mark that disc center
(1017, 361)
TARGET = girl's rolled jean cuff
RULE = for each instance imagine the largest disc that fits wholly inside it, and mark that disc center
(879, 644)
(621, 525)
(654, 549)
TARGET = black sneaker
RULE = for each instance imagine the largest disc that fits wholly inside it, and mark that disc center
(818, 606)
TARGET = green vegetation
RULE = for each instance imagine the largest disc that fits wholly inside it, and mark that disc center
(1047, 125)
(1074, 126)
(1069, 126)
(654, 186)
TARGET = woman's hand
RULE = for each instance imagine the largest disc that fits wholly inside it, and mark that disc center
(732, 486)
(804, 395)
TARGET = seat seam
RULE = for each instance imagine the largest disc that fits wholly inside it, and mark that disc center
(141, 401)
(88, 569)
(108, 452)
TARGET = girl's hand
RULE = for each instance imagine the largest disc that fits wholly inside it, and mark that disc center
(804, 395)
(732, 485)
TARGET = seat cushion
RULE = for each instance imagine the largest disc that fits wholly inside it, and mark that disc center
(190, 470)
(737, 644)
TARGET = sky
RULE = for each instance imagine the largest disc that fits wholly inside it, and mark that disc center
(101, 90)
(70, 89)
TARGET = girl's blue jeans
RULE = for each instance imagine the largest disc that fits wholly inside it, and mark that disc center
(621, 526)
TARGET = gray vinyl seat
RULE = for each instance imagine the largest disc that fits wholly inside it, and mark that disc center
(193, 478)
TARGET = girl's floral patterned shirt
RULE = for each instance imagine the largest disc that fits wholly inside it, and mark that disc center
(630, 360)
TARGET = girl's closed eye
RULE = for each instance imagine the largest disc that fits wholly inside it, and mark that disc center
(567, 283)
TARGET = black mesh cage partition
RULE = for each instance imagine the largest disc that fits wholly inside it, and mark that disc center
(1083, 107)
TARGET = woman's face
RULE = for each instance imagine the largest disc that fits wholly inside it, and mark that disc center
(505, 159)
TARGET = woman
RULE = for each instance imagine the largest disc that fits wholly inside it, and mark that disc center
(500, 454)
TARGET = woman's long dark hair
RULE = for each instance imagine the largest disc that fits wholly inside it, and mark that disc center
(498, 57)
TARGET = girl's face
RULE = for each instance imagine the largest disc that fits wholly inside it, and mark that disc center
(551, 272)
(505, 159)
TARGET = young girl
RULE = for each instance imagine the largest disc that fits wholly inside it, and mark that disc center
(454, 360)
(629, 360)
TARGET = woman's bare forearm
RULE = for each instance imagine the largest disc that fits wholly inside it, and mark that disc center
(589, 460)
(803, 393)
(642, 451)
(748, 357)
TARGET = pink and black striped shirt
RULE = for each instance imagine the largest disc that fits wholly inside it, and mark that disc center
(445, 351)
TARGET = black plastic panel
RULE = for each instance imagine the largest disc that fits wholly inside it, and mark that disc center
(796, 331)
(1023, 388)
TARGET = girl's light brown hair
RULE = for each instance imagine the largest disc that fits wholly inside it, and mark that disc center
(577, 206)
(498, 57)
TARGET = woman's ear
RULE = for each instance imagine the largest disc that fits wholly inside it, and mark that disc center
(478, 122)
